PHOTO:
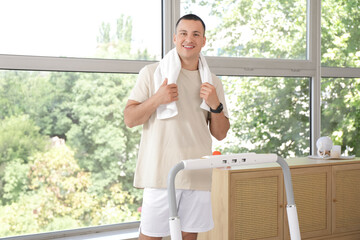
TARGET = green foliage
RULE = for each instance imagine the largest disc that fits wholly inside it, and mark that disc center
(66, 222)
(15, 180)
(27, 93)
(103, 142)
(47, 189)
(340, 33)
(269, 115)
(59, 198)
(117, 44)
(341, 112)
(19, 217)
(50, 189)
(19, 139)
(57, 176)
(257, 28)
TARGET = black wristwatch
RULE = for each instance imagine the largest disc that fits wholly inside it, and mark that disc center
(218, 109)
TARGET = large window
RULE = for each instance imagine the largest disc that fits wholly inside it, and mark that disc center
(66, 157)
(268, 114)
(290, 70)
(118, 29)
(252, 28)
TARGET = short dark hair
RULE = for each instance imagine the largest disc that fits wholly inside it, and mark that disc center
(190, 17)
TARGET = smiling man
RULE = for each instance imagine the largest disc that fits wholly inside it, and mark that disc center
(183, 135)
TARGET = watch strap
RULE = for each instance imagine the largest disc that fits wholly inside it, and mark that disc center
(218, 109)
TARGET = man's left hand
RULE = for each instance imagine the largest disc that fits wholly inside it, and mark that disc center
(208, 93)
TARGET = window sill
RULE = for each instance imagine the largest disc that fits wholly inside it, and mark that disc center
(121, 231)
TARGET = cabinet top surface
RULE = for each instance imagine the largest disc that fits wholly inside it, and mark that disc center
(298, 162)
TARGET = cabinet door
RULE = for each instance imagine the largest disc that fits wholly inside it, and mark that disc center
(256, 205)
(346, 198)
(312, 194)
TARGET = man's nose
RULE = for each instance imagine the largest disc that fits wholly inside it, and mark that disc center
(189, 38)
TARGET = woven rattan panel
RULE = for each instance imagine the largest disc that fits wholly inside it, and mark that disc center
(310, 192)
(347, 198)
(255, 211)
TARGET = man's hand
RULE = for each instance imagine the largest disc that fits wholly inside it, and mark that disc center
(208, 93)
(137, 113)
(167, 93)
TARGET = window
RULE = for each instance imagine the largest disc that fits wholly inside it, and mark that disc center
(340, 112)
(268, 114)
(340, 33)
(66, 157)
(66, 69)
(117, 29)
(248, 28)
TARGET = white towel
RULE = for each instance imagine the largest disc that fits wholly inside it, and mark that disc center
(169, 68)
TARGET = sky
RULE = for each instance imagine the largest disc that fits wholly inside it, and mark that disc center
(70, 27)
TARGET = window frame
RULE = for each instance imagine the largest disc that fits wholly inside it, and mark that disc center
(220, 66)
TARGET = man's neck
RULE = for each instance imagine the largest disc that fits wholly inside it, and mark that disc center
(190, 65)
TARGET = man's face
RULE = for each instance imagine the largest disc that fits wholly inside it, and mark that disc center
(189, 39)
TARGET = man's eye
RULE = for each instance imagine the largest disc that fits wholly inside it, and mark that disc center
(183, 34)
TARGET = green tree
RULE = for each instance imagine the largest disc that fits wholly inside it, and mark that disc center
(102, 141)
(277, 29)
(19, 139)
(86, 110)
(340, 97)
(271, 115)
(340, 33)
(257, 28)
(340, 109)
(268, 114)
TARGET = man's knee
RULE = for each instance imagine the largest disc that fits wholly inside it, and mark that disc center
(144, 237)
(189, 236)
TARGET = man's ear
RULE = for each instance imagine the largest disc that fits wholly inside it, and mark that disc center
(204, 41)
(174, 38)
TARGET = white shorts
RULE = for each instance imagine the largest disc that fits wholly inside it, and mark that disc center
(194, 210)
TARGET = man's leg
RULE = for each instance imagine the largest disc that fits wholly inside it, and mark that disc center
(144, 237)
(154, 214)
(195, 213)
(189, 236)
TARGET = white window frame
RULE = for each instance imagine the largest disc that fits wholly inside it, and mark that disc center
(310, 68)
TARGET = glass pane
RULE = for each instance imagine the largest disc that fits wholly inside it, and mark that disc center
(340, 112)
(66, 157)
(340, 33)
(268, 115)
(116, 29)
(252, 28)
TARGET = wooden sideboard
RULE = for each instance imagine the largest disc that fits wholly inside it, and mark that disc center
(249, 202)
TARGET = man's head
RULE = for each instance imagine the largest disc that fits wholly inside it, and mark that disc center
(189, 37)
(190, 17)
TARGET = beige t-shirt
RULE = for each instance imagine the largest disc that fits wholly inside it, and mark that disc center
(166, 142)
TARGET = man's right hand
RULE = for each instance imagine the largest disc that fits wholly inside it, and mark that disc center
(167, 93)
(137, 113)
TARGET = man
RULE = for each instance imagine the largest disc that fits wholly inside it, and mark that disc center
(165, 142)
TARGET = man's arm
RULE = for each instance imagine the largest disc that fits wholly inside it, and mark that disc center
(219, 123)
(137, 113)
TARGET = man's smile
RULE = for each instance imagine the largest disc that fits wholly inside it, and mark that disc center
(188, 46)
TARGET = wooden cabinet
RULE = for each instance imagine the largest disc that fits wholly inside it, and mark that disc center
(250, 203)
(346, 198)
(247, 205)
(256, 205)
(312, 193)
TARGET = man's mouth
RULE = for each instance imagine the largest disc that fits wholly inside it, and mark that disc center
(188, 47)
